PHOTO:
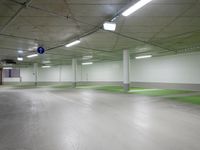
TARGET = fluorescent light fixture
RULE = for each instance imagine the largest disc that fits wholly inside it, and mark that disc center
(20, 58)
(46, 66)
(46, 62)
(87, 57)
(110, 26)
(35, 47)
(142, 57)
(7, 68)
(135, 7)
(20, 51)
(32, 48)
(73, 43)
(87, 63)
(33, 55)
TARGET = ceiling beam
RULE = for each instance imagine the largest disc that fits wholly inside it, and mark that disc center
(25, 38)
(53, 13)
(87, 33)
(173, 20)
(144, 42)
(25, 4)
(97, 28)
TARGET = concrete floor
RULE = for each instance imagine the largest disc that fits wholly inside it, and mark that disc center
(42, 119)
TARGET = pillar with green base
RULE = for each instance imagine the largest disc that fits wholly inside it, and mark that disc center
(74, 70)
(126, 70)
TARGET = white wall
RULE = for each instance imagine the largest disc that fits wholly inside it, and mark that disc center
(107, 71)
(184, 68)
(11, 80)
(54, 74)
(27, 74)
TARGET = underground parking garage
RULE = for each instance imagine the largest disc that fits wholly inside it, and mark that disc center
(104, 75)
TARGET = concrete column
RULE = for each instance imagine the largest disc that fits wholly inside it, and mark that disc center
(60, 73)
(35, 69)
(74, 70)
(126, 71)
(1, 76)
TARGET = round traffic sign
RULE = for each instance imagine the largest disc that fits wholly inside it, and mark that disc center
(40, 50)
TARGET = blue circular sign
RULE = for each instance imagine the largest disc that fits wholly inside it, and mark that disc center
(40, 50)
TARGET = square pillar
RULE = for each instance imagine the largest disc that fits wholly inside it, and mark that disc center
(74, 70)
(1, 76)
(126, 70)
(35, 73)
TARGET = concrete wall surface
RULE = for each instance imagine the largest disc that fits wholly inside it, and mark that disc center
(178, 69)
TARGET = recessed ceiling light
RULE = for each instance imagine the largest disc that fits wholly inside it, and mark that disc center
(142, 57)
(73, 43)
(135, 7)
(110, 26)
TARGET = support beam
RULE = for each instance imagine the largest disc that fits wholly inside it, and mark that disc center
(35, 73)
(15, 15)
(126, 70)
(74, 70)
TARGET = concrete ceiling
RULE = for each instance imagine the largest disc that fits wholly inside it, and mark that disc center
(163, 27)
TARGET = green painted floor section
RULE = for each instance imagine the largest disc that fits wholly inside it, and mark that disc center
(176, 95)
(137, 90)
(107, 88)
(187, 99)
(172, 94)
(160, 92)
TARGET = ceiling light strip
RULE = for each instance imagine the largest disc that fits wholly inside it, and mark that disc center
(87, 63)
(33, 55)
(143, 57)
(135, 7)
(73, 43)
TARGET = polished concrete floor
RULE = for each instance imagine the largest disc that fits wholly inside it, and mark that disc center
(44, 119)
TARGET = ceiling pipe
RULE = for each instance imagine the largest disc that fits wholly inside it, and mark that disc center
(15, 15)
